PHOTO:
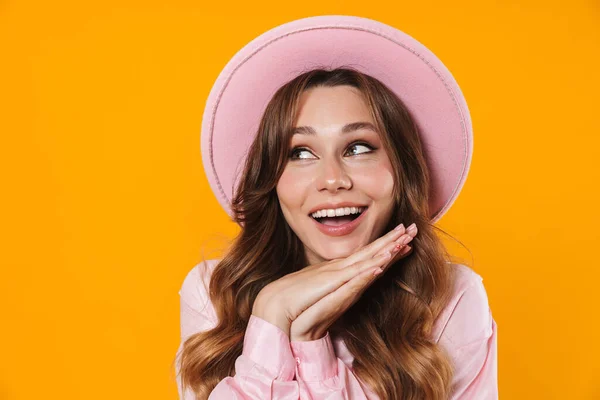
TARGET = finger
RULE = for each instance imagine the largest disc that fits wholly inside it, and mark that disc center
(407, 237)
(334, 278)
(357, 285)
(347, 290)
(327, 310)
(406, 251)
(374, 247)
(396, 251)
(389, 254)
(403, 240)
(359, 267)
(348, 293)
(403, 252)
(396, 248)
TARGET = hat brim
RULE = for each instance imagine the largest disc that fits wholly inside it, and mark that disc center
(241, 92)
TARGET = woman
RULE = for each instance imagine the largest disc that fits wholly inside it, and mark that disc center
(337, 286)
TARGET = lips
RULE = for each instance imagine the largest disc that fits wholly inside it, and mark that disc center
(332, 206)
(339, 217)
(340, 230)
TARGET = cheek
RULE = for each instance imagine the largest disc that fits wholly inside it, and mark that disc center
(289, 187)
(377, 181)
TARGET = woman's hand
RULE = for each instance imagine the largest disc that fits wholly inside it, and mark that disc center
(314, 322)
(326, 290)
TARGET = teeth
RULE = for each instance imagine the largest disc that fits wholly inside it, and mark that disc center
(337, 212)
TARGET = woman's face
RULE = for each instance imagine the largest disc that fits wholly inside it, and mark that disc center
(335, 166)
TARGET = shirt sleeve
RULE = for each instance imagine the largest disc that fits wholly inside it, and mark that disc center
(265, 369)
(322, 375)
(470, 337)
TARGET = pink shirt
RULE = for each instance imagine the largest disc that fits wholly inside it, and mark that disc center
(272, 367)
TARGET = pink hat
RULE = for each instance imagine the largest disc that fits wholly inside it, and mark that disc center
(244, 87)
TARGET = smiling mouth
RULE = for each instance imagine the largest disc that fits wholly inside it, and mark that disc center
(337, 221)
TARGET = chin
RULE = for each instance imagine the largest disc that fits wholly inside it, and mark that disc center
(340, 251)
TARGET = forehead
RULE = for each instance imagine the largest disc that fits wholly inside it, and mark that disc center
(322, 106)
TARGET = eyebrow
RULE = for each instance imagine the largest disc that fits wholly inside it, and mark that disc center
(354, 126)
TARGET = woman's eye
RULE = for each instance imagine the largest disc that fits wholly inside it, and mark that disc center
(297, 152)
(364, 145)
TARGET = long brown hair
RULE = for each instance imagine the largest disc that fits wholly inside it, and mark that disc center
(394, 316)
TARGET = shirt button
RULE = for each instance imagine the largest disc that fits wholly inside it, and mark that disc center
(298, 360)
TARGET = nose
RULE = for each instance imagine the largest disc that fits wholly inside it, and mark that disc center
(333, 176)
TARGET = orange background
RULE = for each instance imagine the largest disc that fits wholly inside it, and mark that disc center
(105, 206)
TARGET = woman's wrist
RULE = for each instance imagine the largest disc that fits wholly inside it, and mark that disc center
(274, 317)
(307, 337)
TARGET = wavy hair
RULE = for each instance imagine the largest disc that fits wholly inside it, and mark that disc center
(394, 317)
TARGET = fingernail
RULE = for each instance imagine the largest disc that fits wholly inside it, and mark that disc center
(399, 227)
(413, 226)
(407, 239)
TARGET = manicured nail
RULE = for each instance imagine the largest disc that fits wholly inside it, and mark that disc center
(413, 226)
(399, 227)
